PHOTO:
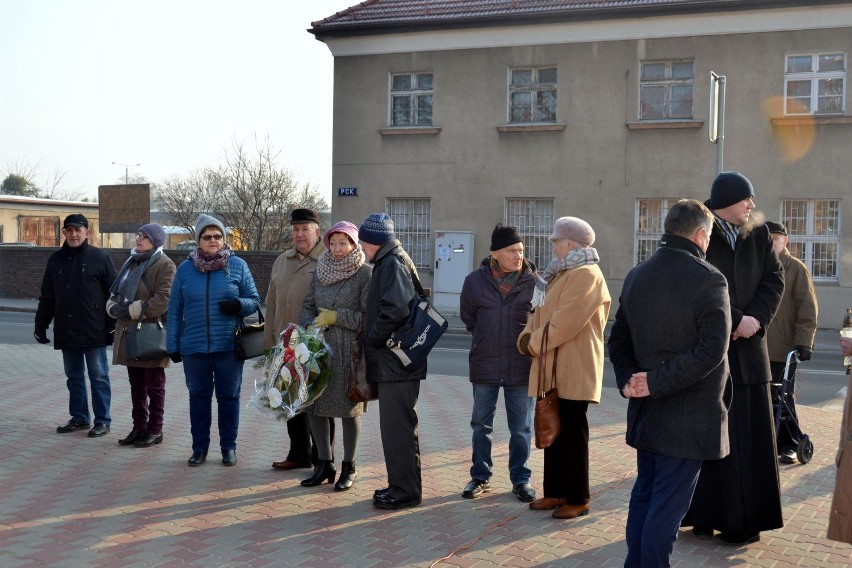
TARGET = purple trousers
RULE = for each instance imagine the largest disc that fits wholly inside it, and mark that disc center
(148, 395)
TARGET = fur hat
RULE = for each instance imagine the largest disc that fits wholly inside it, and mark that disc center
(776, 228)
(207, 221)
(504, 236)
(729, 188)
(304, 216)
(575, 230)
(377, 229)
(344, 227)
(155, 233)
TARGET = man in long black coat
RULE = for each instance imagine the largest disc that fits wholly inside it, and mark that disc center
(668, 347)
(740, 495)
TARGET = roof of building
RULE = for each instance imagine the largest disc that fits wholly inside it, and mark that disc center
(57, 203)
(383, 16)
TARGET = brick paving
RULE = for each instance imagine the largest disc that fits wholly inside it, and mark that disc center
(67, 500)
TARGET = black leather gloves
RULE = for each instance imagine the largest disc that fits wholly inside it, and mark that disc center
(230, 307)
(121, 311)
(40, 335)
(805, 353)
(175, 357)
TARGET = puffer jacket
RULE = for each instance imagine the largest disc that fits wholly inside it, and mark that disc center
(496, 321)
(390, 291)
(196, 325)
(74, 292)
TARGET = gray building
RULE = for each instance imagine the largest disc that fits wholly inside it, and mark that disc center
(454, 116)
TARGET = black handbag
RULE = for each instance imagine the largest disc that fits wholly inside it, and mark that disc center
(357, 387)
(416, 337)
(248, 338)
(145, 341)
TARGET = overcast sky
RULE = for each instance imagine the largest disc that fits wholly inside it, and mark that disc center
(168, 84)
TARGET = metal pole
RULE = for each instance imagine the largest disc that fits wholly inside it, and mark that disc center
(720, 141)
(126, 175)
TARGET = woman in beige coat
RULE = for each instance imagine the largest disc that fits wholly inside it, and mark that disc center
(567, 332)
(840, 519)
(142, 290)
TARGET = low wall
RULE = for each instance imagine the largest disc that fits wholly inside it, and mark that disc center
(22, 269)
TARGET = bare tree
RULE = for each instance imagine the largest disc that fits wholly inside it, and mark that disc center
(182, 199)
(51, 187)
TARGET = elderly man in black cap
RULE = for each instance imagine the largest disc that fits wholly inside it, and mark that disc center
(288, 285)
(793, 328)
(496, 299)
(740, 494)
(74, 292)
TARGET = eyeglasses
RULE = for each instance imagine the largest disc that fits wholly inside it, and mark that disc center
(140, 236)
(212, 237)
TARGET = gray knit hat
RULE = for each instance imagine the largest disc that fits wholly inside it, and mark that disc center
(155, 234)
(207, 221)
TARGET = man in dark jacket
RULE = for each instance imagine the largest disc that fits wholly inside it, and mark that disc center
(496, 299)
(74, 292)
(740, 495)
(391, 289)
(668, 347)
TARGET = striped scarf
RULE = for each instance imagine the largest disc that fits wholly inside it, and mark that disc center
(505, 281)
(730, 230)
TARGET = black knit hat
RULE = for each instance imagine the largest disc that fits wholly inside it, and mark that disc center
(504, 236)
(729, 188)
(304, 216)
(776, 228)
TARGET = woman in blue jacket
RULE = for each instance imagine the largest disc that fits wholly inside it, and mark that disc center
(212, 290)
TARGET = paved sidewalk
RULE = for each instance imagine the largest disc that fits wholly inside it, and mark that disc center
(67, 500)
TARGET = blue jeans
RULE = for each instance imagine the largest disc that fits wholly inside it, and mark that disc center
(207, 373)
(519, 407)
(76, 361)
(658, 503)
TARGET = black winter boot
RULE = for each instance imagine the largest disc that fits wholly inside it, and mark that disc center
(324, 471)
(347, 477)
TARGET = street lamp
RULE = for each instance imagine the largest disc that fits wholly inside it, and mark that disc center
(126, 168)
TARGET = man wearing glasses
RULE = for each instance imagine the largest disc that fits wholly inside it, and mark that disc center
(74, 292)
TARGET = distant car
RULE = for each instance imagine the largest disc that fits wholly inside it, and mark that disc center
(186, 245)
(19, 244)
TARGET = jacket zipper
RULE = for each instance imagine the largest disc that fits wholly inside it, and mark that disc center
(207, 309)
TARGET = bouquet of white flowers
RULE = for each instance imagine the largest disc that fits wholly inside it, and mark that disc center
(295, 374)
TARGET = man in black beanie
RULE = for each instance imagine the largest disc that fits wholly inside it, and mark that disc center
(740, 494)
(495, 301)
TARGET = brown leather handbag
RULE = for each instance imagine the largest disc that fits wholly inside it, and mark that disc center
(357, 387)
(546, 422)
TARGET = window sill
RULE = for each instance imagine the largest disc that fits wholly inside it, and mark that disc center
(408, 130)
(549, 127)
(810, 120)
(664, 124)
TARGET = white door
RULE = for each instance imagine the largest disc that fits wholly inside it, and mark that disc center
(453, 261)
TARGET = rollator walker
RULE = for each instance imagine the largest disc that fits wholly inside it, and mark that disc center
(784, 415)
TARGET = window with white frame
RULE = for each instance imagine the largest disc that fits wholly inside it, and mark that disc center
(412, 219)
(411, 99)
(532, 95)
(815, 83)
(650, 220)
(665, 90)
(534, 220)
(814, 230)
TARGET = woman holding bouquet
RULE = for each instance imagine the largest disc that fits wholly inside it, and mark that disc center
(335, 300)
(212, 290)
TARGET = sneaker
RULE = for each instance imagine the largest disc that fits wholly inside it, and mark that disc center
(475, 488)
(787, 456)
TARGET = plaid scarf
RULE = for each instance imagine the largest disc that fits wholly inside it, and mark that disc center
(208, 262)
(574, 258)
(505, 281)
(330, 270)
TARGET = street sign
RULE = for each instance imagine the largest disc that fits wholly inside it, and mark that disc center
(347, 191)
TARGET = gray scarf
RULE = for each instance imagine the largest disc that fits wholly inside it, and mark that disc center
(123, 290)
(574, 258)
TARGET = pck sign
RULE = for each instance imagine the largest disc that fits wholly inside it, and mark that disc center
(347, 191)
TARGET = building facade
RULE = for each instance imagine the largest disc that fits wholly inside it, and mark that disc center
(454, 116)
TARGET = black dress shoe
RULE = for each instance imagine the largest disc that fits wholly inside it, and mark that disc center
(131, 438)
(382, 491)
(738, 539)
(475, 488)
(229, 457)
(524, 492)
(386, 501)
(197, 458)
(703, 533)
(99, 430)
(146, 440)
(71, 426)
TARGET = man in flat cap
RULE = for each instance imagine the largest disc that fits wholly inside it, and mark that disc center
(74, 292)
(793, 328)
(496, 299)
(740, 494)
(288, 285)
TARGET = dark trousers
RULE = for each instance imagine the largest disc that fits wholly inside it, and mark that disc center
(302, 448)
(566, 461)
(207, 373)
(400, 439)
(148, 395)
(787, 436)
(658, 502)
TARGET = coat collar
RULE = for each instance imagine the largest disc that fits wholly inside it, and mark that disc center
(315, 253)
